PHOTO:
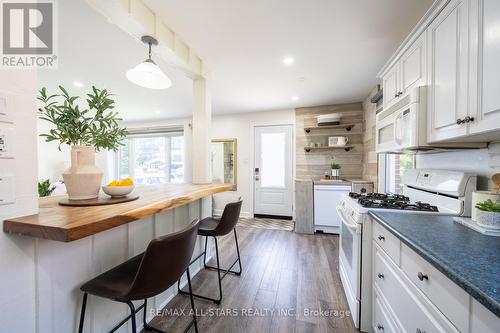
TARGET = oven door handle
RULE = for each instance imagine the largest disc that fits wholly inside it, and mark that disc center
(353, 226)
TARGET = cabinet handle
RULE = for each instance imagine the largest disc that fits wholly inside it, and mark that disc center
(419, 331)
(380, 275)
(400, 93)
(468, 119)
(460, 121)
(381, 238)
(380, 327)
(421, 276)
(396, 95)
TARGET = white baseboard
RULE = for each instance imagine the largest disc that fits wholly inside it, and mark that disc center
(218, 213)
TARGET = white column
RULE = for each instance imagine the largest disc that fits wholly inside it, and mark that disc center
(202, 121)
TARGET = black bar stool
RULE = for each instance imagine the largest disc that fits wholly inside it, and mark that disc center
(146, 275)
(212, 227)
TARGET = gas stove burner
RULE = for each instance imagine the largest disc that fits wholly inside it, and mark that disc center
(379, 196)
(397, 204)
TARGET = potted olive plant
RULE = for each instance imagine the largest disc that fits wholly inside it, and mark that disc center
(335, 170)
(488, 214)
(87, 130)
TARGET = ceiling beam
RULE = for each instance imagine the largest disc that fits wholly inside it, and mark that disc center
(136, 19)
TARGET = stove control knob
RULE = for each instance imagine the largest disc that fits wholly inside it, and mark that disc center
(380, 275)
(380, 327)
(381, 238)
(363, 190)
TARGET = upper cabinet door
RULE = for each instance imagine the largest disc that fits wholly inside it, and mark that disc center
(391, 86)
(485, 66)
(413, 65)
(448, 72)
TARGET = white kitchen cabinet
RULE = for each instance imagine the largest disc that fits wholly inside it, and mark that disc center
(407, 72)
(390, 83)
(448, 72)
(411, 295)
(485, 66)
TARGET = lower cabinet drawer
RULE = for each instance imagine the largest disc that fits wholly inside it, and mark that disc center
(387, 241)
(381, 321)
(411, 312)
(448, 297)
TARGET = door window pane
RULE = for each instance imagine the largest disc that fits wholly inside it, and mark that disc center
(272, 149)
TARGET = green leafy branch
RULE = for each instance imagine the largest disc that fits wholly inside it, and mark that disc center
(489, 206)
(95, 126)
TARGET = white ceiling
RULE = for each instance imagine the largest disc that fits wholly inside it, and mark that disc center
(95, 52)
(338, 47)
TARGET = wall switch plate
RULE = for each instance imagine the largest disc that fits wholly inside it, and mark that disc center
(6, 108)
(6, 143)
(7, 195)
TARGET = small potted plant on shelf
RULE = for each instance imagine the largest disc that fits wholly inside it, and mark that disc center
(488, 214)
(335, 170)
(87, 130)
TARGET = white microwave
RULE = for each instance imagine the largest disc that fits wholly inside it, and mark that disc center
(403, 126)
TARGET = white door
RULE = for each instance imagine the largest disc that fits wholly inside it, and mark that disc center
(273, 181)
(485, 83)
(448, 65)
(412, 65)
(391, 86)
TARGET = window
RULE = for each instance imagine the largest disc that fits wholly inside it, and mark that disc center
(152, 158)
(394, 168)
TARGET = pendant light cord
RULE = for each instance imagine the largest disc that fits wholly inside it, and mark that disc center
(149, 50)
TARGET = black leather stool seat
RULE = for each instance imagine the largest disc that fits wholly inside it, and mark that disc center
(211, 227)
(208, 226)
(115, 283)
(146, 275)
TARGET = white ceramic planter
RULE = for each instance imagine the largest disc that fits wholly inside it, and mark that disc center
(490, 220)
(83, 178)
(480, 196)
(335, 173)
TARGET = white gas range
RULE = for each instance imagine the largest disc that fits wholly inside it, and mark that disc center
(425, 191)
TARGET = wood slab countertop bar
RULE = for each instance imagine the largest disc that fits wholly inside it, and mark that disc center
(66, 224)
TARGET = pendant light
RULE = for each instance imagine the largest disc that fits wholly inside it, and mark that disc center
(147, 74)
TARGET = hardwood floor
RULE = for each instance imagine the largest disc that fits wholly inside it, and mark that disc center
(285, 272)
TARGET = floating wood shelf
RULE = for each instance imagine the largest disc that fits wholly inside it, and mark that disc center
(348, 127)
(309, 149)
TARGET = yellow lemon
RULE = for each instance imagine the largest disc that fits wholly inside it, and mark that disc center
(114, 183)
(127, 182)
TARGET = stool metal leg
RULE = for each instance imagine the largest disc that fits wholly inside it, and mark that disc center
(194, 321)
(82, 314)
(218, 269)
(132, 316)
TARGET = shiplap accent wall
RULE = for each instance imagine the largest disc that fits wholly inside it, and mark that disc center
(370, 160)
(313, 165)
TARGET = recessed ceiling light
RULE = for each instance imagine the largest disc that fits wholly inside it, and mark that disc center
(288, 61)
(78, 84)
(295, 98)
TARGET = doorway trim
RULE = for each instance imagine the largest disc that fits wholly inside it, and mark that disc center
(251, 159)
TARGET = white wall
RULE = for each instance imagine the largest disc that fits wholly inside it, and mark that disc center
(17, 278)
(484, 162)
(240, 126)
(228, 126)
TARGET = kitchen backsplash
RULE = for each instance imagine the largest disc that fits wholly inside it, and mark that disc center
(315, 164)
(484, 162)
